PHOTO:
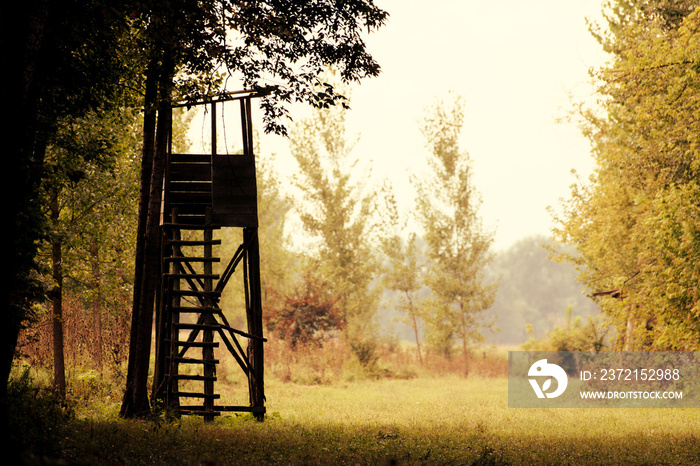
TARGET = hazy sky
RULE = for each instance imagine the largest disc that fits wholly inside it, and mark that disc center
(517, 64)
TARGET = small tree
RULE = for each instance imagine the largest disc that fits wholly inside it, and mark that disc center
(458, 245)
(88, 190)
(337, 212)
(277, 261)
(404, 275)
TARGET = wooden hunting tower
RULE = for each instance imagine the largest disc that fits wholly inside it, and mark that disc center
(202, 193)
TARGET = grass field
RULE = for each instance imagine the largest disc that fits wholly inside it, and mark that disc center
(443, 420)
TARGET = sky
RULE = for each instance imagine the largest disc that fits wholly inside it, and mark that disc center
(519, 67)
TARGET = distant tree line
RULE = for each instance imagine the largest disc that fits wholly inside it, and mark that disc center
(534, 290)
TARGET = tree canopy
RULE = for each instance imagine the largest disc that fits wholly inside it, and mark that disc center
(634, 224)
(59, 59)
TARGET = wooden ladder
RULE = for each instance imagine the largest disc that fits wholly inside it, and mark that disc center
(190, 261)
(193, 310)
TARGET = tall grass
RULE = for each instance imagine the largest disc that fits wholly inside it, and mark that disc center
(334, 362)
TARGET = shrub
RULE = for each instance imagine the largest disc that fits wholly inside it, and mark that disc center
(38, 419)
(574, 336)
(309, 315)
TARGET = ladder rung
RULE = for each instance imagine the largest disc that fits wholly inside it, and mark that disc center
(190, 186)
(197, 410)
(206, 294)
(180, 242)
(191, 226)
(188, 326)
(195, 361)
(213, 276)
(196, 344)
(191, 259)
(196, 395)
(196, 310)
(193, 377)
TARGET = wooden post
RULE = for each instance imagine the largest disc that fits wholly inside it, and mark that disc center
(255, 326)
(173, 318)
(208, 334)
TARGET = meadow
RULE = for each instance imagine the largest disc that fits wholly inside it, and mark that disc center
(421, 420)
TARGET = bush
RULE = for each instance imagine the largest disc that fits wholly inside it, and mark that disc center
(307, 316)
(38, 419)
(574, 336)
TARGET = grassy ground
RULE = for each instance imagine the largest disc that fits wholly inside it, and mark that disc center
(444, 420)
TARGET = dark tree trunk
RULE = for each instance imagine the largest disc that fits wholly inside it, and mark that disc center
(255, 326)
(136, 398)
(59, 364)
(98, 345)
(128, 408)
(22, 28)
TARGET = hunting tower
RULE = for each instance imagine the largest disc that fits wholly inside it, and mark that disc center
(203, 193)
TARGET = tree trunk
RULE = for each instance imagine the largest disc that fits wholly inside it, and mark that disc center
(98, 350)
(21, 37)
(128, 408)
(255, 327)
(59, 365)
(117, 345)
(136, 399)
(465, 350)
(414, 325)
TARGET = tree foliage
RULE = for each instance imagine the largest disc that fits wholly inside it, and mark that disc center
(337, 214)
(278, 262)
(295, 42)
(458, 244)
(284, 44)
(89, 192)
(635, 224)
(60, 59)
